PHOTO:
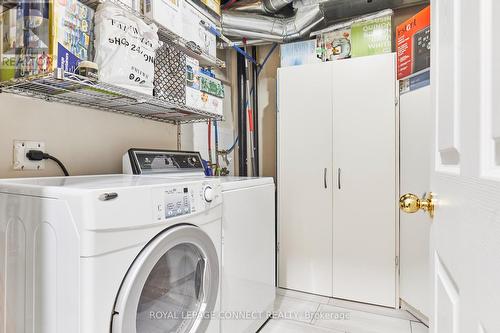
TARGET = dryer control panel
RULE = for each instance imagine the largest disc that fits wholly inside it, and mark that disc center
(186, 199)
(152, 161)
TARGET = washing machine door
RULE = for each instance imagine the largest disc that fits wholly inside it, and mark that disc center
(172, 285)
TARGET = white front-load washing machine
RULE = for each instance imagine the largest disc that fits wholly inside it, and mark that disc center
(248, 233)
(100, 254)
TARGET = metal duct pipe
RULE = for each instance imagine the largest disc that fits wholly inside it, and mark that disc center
(260, 6)
(273, 6)
(248, 6)
(255, 26)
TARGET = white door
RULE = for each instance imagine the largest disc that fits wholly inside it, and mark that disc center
(304, 178)
(365, 192)
(465, 175)
(416, 118)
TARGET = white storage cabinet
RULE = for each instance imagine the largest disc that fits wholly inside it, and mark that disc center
(338, 179)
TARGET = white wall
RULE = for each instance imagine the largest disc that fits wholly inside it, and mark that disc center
(87, 141)
(267, 111)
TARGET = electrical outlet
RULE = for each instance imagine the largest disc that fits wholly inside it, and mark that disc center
(21, 148)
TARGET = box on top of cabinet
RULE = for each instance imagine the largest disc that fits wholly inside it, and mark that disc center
(413, 44)
(372, 37)
(363, 36)
(298, 53)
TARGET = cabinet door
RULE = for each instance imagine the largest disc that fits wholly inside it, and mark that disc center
(305, 178)
(364, 221)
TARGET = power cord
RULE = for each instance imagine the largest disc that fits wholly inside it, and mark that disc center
(37, 155)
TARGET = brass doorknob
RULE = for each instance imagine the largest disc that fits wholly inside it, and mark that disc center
(411, 203)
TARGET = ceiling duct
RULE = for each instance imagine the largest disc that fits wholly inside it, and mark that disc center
(257, 26)
(260, 6)
(259, 20)
(272, 6)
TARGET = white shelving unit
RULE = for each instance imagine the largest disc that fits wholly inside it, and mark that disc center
(69, 88)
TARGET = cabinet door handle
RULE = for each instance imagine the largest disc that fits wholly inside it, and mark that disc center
(324, 177)
(338, 178)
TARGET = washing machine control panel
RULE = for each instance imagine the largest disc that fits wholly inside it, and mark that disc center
(186, 199)
(178, 201)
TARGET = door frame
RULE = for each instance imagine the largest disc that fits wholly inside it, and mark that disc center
(397, 109)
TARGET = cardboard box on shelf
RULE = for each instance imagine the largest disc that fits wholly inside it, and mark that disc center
(183, 19)
(40, 36)
(125, 48)
(192, 73)
(167, 13)
(203, 101)
(72, 24)
(195, 33)
(134, 4)
(211, 86)
(196, 98)
(26, 41)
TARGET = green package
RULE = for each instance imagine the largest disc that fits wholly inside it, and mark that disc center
(372, 37)
(211, 86)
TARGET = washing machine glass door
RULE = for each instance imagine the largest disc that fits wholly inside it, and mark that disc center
(172, 285)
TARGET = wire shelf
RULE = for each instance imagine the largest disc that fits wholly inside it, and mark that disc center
(69, 88)
(167, 36)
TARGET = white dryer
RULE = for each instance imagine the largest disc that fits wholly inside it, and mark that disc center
(248, 232)
(101, 254)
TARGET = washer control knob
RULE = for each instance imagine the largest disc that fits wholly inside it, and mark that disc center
(208, 194)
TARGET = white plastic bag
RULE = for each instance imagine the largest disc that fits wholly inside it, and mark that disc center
(125, 48)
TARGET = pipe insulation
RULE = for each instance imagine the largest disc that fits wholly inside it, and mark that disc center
(260, 6)
(256, 26)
